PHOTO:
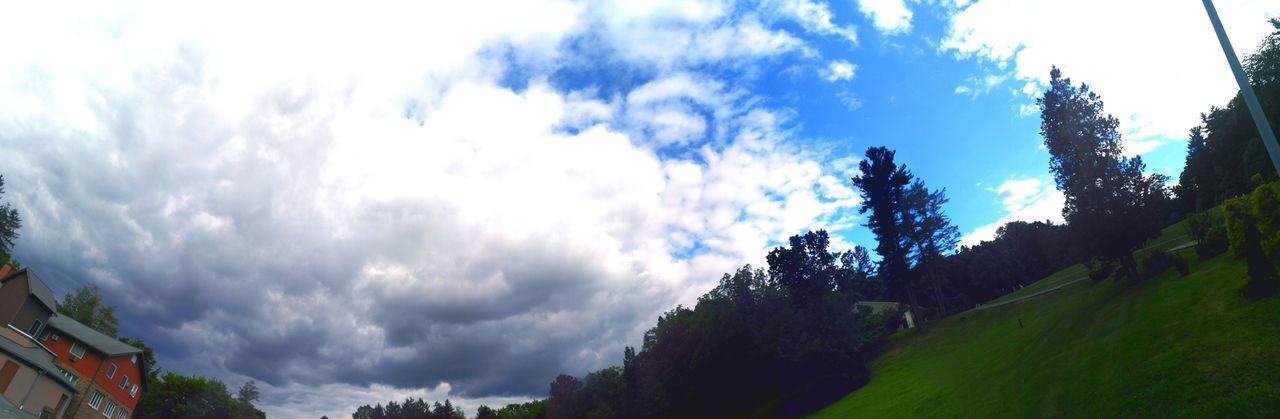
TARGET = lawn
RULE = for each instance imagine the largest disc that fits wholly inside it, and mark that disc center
(1169, 346)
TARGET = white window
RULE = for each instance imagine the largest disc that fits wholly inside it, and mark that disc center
(124, 381)
(111, 371)
(77, 351)
(53, 336)
(110, 409)
(70, 377)
(133, 392)
(121, 414)
(95, 400)
(134, 358)
(35, 327)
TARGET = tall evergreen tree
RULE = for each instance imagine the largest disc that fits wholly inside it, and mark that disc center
(1110, 203)
(883, 184)
(931, 233)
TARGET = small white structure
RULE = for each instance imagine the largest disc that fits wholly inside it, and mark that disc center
(878, 307)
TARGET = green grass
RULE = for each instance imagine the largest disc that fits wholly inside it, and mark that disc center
(1170, 346)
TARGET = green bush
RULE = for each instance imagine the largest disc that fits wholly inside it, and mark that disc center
(1100, 270)
(1246, 231)
(1157, 263)
(1180, 264)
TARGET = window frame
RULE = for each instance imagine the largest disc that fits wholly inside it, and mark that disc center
(75, 356)
(95, 400)
(124, 381)
(110, 409)
(111, 370)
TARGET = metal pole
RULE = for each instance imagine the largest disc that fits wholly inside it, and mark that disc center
(1255, 109)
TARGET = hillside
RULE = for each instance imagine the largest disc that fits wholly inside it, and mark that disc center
(1168, 346)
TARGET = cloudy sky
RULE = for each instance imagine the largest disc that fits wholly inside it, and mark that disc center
(464, 199)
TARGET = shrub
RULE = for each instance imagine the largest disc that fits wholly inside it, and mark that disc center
(1155, 264)
(1100, 270)
(1246, 243)
(1214, 243)
(1180, 264)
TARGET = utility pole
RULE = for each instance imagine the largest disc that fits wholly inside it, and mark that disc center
(1255, 109)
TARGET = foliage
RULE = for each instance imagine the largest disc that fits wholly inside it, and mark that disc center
(1180, 264)
(248, 392)
(179, 397)
(1225, 151)
(1210, 235)
(1020, 253)
(529, 410)
(151, 369)
(1111, 204)
(10, 222)
(411, 408)
(1156, 263)
(1247, 230)
(781, 341)
(1100, 270)
(930, 233)
(883, 184)
(86, 306)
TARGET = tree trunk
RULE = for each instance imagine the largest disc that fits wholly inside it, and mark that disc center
(937, 290)
(916, 313)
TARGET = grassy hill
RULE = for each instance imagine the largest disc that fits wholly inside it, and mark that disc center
(1169, 346)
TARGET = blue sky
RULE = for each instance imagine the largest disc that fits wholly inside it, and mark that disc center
(358, 203)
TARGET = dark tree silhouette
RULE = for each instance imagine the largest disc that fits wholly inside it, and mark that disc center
(931, 233)
(10, 222)
(1225, 151)
(883, 184)
(1110, 203)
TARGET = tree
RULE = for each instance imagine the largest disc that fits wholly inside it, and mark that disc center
(86, 306)
(563, 401)
(180, 397)
(486, 412)
(883, 184)
(248, 392)
(1110, 203)
(931, 232)
(10, 222)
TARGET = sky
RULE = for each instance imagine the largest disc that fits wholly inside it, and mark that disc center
(354, 204)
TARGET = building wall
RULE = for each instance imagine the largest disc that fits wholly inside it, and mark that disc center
(124, 367)
(45, 394)
(12, 295)
(31, 311)
(21, 381)
(86, 366)
(91, 373)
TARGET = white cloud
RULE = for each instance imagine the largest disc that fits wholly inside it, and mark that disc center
(358, 204)
(963, 90)
(1136, 64)
(891, 17)
(815, 17)
(1023, 200)
(839, 70)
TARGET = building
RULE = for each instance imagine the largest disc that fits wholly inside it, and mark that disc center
(108, 374)
(25, 301)
(71, 370)
(30, 383)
